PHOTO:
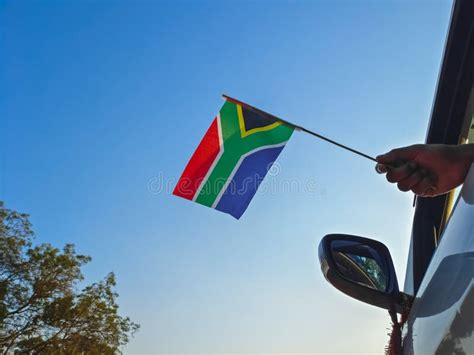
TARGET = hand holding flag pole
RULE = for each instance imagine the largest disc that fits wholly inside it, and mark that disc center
(297, 127)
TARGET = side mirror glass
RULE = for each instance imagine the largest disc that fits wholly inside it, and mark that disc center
(361, 263)
(363, 269)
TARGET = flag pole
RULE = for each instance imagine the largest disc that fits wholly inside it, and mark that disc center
(297, 127)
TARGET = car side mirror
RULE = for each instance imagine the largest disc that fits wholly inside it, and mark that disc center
(363, 269)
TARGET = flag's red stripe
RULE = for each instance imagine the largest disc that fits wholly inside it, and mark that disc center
(199, 164)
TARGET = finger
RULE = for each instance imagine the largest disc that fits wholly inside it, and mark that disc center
(401, 172)
(410, 181)
(430, 191)
(426, 187)
(406, 153)
(381, 168)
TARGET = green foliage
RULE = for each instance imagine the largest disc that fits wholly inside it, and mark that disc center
(41, 308)
(373, 270)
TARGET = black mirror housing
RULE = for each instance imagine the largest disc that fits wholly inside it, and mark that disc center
(338, 256)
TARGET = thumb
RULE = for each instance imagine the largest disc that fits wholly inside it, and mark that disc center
(399, 154)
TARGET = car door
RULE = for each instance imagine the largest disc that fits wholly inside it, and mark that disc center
(441, 320)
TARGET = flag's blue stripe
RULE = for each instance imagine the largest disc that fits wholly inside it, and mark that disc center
(244, 184)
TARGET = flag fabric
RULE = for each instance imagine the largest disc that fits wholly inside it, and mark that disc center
(232, 159)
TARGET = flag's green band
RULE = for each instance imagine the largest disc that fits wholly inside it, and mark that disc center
(237, 142)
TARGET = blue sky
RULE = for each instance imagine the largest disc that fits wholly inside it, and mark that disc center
(103, 102)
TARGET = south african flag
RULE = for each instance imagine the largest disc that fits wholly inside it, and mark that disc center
(232, 159)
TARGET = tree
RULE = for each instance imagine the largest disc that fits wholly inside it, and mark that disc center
(42, 309)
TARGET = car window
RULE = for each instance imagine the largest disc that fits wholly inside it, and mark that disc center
(466, 137)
